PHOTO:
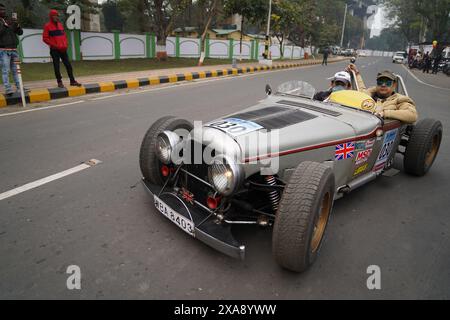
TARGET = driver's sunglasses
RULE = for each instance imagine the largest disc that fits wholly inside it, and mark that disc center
(387, 82)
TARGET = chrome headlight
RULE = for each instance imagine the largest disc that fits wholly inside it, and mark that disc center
(166, 143)
(225, 176)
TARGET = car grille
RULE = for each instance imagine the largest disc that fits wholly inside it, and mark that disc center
(199, 189)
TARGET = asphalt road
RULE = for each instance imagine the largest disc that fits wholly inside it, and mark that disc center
(102, 219)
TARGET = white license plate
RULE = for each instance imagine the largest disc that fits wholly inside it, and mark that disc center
(182, 222)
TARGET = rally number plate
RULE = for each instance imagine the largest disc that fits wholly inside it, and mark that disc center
(182, 222)
(235, 127)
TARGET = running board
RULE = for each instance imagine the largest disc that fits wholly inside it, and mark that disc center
(358, 182)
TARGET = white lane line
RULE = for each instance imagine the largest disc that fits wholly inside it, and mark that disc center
(48, 179)
(41, 108)
(420, 81)
(105, 97)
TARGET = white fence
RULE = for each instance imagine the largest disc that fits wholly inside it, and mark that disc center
(375, 53)
(106, 46)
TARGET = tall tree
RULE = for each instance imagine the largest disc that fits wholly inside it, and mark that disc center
(390, 39)
(252, 11)
(415, 17)
(286, 15)
(31, 13)
(404, 17)
(303, 30)
(209, 9)
(113, 18)
(163, 14)
(86, 6)
(436, 13)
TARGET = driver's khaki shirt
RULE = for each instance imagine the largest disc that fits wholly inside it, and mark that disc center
(397, 106)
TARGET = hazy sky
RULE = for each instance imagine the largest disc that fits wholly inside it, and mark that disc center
(378, 24)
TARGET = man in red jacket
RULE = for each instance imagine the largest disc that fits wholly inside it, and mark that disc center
(55, 37)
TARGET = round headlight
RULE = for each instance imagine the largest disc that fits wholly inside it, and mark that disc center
(165, 144)
(224, 176)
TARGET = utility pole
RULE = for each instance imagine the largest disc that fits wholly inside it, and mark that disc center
(266, 48)
(343, 26)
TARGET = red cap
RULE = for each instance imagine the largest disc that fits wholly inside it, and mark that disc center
(53, 12)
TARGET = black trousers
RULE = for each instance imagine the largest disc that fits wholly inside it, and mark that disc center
(325, 60)
(435, 66)
(56, 57)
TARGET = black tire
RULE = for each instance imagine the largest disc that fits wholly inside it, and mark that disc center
(306, 203)
(148, 160)
(423, 147)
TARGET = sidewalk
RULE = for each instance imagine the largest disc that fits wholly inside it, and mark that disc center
(46, 90)
(439, 80)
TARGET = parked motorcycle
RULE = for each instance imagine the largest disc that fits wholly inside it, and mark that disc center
(446, 68)
(416, 64)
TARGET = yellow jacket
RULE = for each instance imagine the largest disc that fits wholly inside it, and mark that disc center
(397, 106)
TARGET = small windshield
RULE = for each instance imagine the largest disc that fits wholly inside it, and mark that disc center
(297, 88)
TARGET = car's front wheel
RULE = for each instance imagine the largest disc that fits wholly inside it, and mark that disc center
(303, 215)
(423, 147)
(151, 166)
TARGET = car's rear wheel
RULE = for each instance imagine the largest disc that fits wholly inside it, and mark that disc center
(423, 147)
(303, 215)
(150, 164)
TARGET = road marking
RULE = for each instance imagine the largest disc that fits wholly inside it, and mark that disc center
(420, 81)
(56, 176)
(41, 108)
(105, 97)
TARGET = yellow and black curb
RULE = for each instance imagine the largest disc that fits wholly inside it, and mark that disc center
(41, 95)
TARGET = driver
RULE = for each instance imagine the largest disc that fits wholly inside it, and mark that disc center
(389, 104)
(340, 81)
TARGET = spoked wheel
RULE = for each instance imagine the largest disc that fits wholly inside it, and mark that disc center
(303, 215)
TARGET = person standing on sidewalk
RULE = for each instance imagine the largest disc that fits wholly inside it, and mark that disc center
(55, 37)
(326, 52)
(426, 62)
(9, 29)
(437, 57)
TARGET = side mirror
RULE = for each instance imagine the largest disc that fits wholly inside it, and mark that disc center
(268, 90)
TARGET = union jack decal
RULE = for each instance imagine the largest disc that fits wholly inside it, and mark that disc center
(188, 196)
(344, 151)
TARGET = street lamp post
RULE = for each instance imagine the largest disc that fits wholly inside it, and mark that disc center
(343, 26)
(266, 48)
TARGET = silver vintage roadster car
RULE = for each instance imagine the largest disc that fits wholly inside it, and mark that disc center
(281, 164)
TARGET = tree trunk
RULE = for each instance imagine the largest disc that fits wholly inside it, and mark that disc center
(240, 42)
(281, 48)
(205, 32)
(161, 53)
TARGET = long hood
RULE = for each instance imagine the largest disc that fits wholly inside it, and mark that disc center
(279, 125)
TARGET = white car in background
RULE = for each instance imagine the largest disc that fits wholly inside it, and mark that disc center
(399, 57)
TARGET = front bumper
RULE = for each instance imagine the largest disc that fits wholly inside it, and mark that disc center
(207, 230)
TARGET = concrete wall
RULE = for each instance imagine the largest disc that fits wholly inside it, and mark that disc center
(107, 46)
